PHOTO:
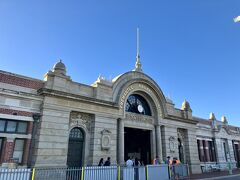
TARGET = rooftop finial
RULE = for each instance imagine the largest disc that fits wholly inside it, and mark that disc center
(138, 65)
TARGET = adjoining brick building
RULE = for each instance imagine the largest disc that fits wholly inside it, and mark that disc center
(19, 105)
(59, 122)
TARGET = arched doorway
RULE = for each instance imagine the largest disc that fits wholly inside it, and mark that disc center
(75, 148)
(137, 142)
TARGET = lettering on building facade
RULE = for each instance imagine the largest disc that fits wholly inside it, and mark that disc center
(136, 86)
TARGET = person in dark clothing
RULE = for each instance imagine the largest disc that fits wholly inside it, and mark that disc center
(100, 162)
(108, 162)
(137, 163)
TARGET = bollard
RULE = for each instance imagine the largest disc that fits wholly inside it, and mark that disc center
(33, 173)
(229, 168)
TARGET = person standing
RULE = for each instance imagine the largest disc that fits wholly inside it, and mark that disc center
(108, 162)
(168, 161)
(129, 162)
(156, 160)
(100, 162)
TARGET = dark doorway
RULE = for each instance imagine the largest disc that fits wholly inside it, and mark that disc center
(137, 144)
(75, 148)
(180, 151)
(236, 152)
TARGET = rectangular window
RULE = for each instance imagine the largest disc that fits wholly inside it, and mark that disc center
(2, 125)
(225, 150)
(211, 151)
(22, 127)
(199, 150)
(18, 150)
(11, 126)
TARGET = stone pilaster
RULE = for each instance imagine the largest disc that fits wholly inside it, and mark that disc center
(231, 152)
(51, 144)
(192, 152)
(219, 150)
(26, 151)
(206, 151)
(201, 151)
(120, 141)
(8, 150)
(159, 142)
(153, 144)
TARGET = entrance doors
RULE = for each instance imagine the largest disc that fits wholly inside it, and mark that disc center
(75, 148)
(137, 144)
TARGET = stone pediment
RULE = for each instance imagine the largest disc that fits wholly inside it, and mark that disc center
(224, 131)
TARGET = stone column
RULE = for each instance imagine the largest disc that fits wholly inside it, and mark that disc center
(230, 150)
(201, 151)
(153, 144)
(26, 151)
(159, 142)
(120, 141)
(206, 150)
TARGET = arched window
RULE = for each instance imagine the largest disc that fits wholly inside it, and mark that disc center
(76, 133)
(137, 104)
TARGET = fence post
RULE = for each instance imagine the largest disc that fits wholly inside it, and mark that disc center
(33, 173)
(169, 171)
(82, 177)
(147, 172)
(119, 176)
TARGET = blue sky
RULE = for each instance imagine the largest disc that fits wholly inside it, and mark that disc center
(190, 48)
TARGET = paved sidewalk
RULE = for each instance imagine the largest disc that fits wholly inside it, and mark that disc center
(214, 174)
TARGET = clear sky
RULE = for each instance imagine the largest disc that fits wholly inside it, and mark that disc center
(191, 48)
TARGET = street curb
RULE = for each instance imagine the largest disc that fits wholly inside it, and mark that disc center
(219, 177)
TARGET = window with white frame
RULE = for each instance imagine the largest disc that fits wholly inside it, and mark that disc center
(18, 150)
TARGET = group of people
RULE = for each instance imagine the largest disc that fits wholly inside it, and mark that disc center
(133, 162)
(168, 161)
(106, 163)
(136, 162)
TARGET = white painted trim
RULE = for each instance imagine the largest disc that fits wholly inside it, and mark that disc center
(203, 138)
(15, 117)
(10, 136)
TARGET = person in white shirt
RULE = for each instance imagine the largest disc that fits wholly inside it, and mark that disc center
(129, 162)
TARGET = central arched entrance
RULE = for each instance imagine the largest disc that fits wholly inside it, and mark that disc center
(137, 139)
(75, 148)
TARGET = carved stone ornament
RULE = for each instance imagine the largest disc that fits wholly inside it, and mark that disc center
(78, 118)
(139, 118)
(172, 144)
(106, 139)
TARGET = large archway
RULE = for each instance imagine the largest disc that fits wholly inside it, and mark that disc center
(75, 148)
(137, 141)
